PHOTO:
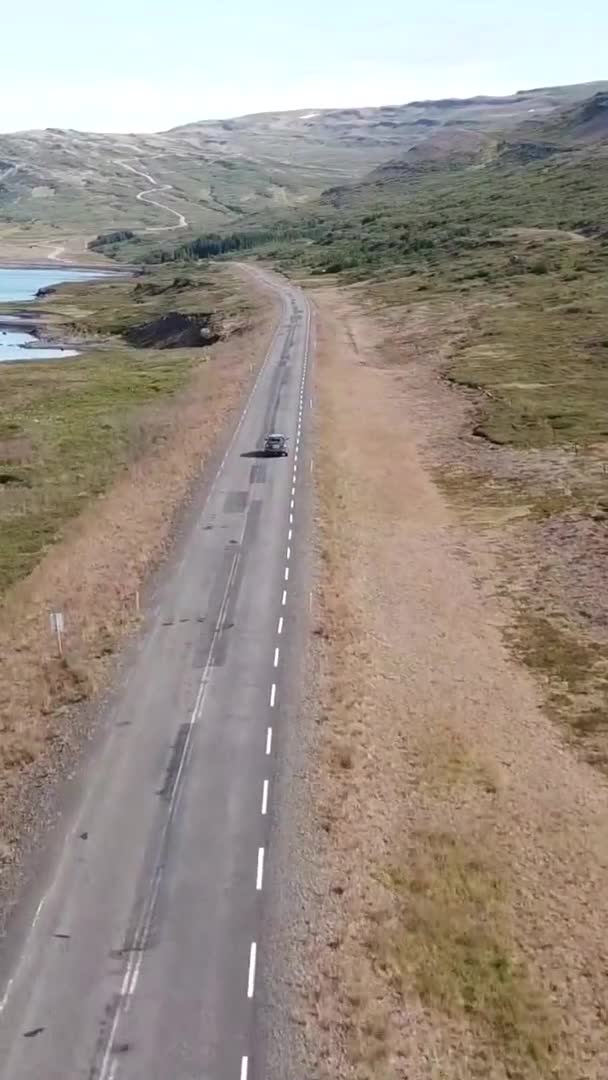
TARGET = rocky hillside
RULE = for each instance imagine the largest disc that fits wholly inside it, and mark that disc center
(584, 123)
(207, 175)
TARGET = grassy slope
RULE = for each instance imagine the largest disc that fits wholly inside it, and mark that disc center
(68, 427)
(525, 242)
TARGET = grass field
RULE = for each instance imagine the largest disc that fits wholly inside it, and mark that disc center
(68, 427)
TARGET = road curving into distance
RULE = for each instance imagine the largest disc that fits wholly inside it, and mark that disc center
(143, 955)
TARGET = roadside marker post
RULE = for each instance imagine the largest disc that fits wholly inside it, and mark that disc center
(57, 627)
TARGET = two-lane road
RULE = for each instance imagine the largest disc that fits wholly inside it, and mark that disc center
(142, 960)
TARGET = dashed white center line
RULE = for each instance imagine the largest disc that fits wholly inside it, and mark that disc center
(280, 626)
(293, 490)
(251, 977)
(289, 553)
(290, 534)
(284, 600)
(286, 573)
(273, 695)
(292, 504)
(268, 741)
(276, 657)
(260, 871)
(291, 519)
(265, 798)
(244, 1068)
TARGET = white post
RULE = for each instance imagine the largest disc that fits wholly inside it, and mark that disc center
(57, 626)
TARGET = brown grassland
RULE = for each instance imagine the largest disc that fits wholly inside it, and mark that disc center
(462, 832)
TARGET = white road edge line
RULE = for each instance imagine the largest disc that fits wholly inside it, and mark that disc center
(260, 871)
(4, 1001)
(268, 741)
(38, 911)
(264, 798)
(251, 976)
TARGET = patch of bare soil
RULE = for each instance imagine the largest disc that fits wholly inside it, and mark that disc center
(459, 928)
(94, 576)
(174, 330)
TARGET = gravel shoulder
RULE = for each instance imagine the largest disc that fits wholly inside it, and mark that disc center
(447, 899)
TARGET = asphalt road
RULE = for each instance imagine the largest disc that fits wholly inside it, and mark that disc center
(142, 959)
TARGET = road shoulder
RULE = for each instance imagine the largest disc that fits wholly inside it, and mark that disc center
(444, 909)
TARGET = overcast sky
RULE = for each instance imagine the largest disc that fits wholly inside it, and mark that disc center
(145, 65)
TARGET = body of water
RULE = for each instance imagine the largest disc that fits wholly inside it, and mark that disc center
(19, 345)
(21, 285)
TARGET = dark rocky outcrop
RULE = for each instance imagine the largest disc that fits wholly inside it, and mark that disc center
(175, 330)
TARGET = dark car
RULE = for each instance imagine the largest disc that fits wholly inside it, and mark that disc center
(275, 445)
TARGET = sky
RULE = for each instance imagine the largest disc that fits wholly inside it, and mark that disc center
(146, 65)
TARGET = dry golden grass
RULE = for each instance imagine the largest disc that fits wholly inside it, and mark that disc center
(449, 936)
(460, 935)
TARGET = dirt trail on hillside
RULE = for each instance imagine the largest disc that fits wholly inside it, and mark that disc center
(457, 926)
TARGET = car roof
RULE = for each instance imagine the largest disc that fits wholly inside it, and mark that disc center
(275, 435)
